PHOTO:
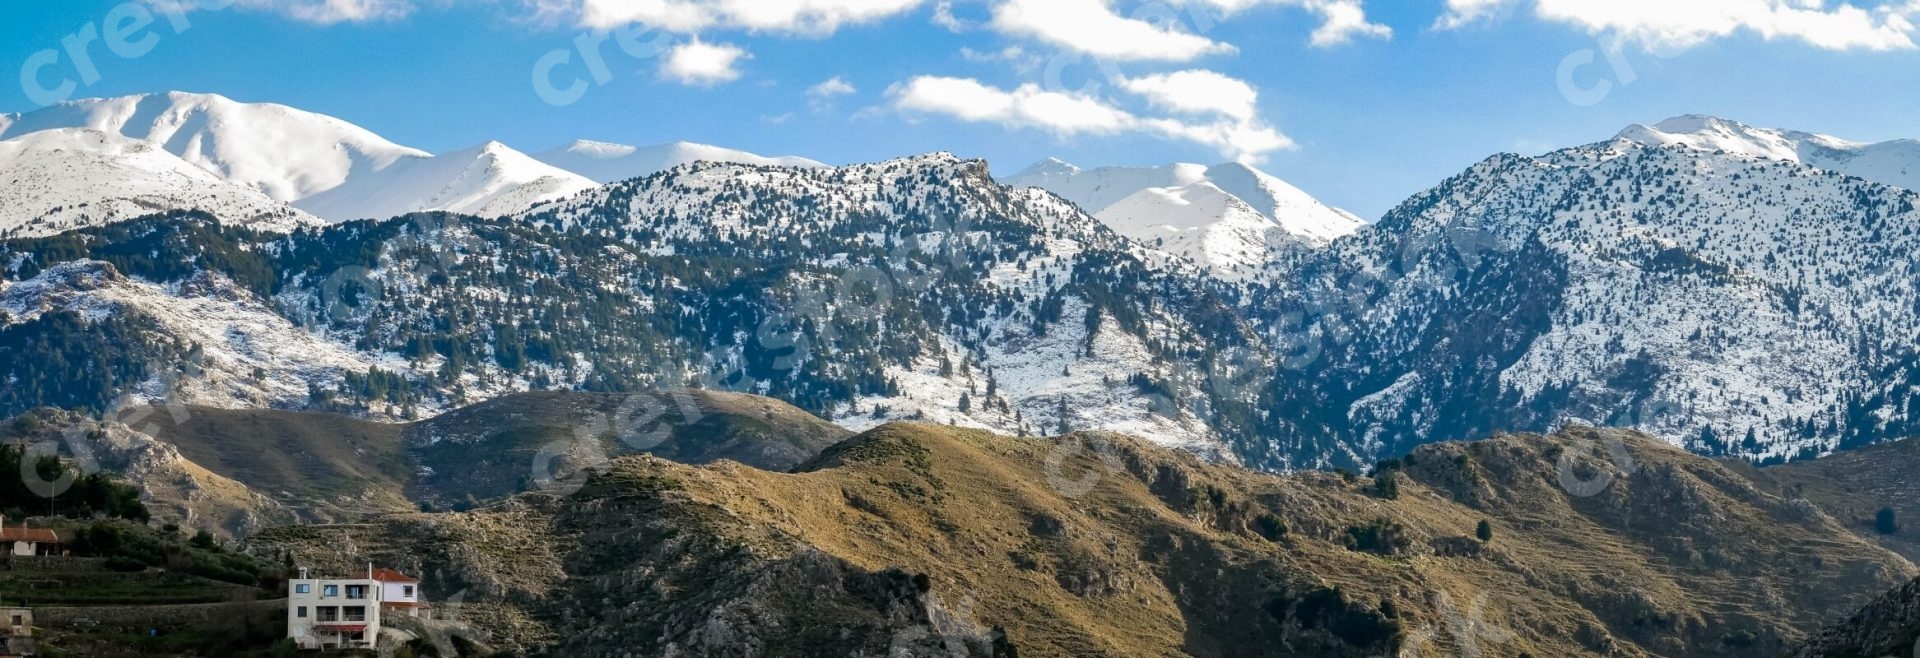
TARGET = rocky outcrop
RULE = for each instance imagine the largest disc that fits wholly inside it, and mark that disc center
(1889, 627)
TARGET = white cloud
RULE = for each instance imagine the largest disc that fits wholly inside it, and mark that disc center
(1343, 21)
(1340, 20)
(1074, 115)
(1669, 24)
(321, 12)
(835, 86)
(702, 64)
(812, 17)
(1094, 28)
(1198, 92)
(943, 17)
(1021, 59)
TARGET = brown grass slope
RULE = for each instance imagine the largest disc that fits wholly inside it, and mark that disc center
(1853, 486)
(232, 471)
(915, 540)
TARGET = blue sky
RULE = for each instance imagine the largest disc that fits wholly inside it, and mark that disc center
(1361, 102)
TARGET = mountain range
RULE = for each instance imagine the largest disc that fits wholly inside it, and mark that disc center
(1649, 281)
(317, 166)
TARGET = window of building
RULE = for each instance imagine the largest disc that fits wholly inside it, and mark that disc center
(330, 590)
(329, 613)
(356, 613)
(300, 612)
(407, 591)
(303, 588)
(356, 591)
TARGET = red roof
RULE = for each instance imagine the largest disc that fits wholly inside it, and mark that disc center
(41, 535)
(343, 628)
(391, 576)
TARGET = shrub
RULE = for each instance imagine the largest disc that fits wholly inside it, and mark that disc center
(1887, 522)
(1484, 531)
(1270, 527)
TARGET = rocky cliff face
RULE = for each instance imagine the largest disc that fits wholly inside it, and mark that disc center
(1890, 626)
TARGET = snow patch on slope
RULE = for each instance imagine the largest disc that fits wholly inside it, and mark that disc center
(56, 180)
(238, 335)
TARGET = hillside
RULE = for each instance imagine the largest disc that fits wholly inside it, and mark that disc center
(57, 180)
(1854, 486)
(235, 471)
(922, 540)
(1618, 283)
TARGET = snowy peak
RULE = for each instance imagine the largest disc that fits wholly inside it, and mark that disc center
(1202, 222)
(599, 150)
(488, 180)
(606, 162)
(285, 153)
(1894, 163)
(320, 164)
(1047, 167)
(56, 180)
(1215, 207)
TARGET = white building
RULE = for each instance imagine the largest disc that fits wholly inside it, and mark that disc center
(399, 594)
(346, 613)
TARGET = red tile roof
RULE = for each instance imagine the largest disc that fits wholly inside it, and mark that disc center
(41, 535)
(391, 576)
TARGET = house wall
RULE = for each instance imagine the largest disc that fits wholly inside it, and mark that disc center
(397, 592)
(301, 629)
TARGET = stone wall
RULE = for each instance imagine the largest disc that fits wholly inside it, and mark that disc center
(53, 564)
(140, 618)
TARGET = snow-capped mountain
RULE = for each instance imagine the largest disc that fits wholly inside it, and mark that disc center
(996, 307)
(608, 163)
(1728, 301)
(489, 180)
(326, 166)
(1895, 163)
(285, 153)
(1732, 304)
(55, 180)
(1227, 218)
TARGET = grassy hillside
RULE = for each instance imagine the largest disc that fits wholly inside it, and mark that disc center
(1855, 486)
(235, 471)
(926, 540)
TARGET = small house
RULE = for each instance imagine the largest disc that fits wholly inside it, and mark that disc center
(24, 541)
